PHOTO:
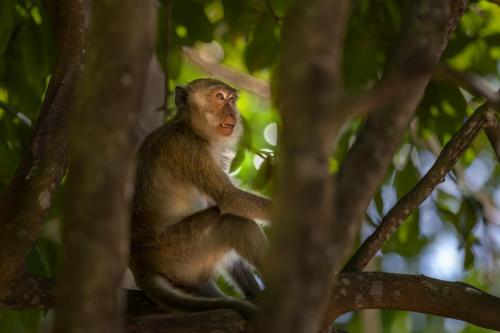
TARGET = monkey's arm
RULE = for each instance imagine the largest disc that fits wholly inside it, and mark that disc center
(203, 172)
(249, 205)
(233, 200)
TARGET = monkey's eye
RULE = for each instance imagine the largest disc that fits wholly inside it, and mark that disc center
(220, 96)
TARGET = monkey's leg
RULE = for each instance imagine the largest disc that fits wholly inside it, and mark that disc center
(244, 236)
(244, 276)
(194, 246)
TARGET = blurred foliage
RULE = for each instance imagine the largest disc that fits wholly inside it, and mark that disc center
(246, 36)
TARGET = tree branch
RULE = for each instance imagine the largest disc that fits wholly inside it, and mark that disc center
(367, 161)
(496, 2)
(356, 291)
(452, 151)
(222, 72)
(220, 321)
(30, 293)
(385, 94)
(476, 85)
(310, 83)
(99, 187)
(26, 200)
(424, 37)
(480, 88)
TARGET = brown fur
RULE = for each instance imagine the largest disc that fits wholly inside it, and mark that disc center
(188, 217)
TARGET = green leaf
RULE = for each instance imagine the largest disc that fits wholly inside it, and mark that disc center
(237, 16)
(191, 15)
(31, 319)
(458, 43)
(238, 159)
(6, 23)
(407, 241)
(263, 49)
(406, 179)
(10, 321)
(362, 63)
(379, 203)
(264, 174)
(35, 264)
(442, 110)
(51, 254)
(246, 139)
(493, 40)
(227, 287)
(468, 258)
(393, 12)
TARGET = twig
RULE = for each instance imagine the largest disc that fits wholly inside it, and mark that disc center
(384, 94)
(479, 87)
(19, 115)
(473, 83)
(242, 80)
(452, 151)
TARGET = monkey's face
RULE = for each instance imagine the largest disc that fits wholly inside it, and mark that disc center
(211, 109)
(224, 115)
(214, 114)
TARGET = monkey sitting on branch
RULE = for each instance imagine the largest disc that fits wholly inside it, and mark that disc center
(189, 221)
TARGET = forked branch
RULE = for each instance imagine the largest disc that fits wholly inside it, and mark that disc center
(452, 151)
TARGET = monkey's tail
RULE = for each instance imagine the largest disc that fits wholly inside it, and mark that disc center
(161, 291)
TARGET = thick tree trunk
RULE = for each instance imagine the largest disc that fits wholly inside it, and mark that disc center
(95, 236)
(300, 264)
(25, 202)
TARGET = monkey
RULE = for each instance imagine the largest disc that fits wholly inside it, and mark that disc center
(188, 219)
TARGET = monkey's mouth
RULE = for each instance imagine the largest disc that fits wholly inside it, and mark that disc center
(225, 129)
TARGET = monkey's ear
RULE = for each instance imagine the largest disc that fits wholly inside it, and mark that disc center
(181, 95)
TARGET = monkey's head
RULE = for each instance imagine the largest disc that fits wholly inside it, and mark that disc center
(209, 106)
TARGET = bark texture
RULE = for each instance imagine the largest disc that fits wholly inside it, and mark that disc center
(356, 291)
(95, 236)
(299, 265)
(26, 200)
(220, 321)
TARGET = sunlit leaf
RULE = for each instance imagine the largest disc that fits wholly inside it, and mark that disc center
(264, 174)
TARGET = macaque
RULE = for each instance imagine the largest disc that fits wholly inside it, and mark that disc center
(189, 220)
